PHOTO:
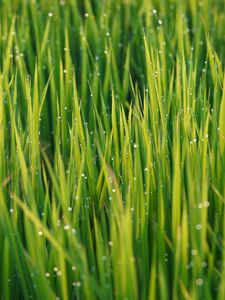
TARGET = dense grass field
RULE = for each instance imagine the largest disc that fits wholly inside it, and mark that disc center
(112, 149)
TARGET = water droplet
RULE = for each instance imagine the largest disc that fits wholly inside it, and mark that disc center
(67, 227)
(77, 284)
(110, 243)
(194, 252)
(198, 226)
(204, 264)
(206, 204)
(199, 281)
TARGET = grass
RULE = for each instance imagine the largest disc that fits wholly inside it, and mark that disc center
(112, 149)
